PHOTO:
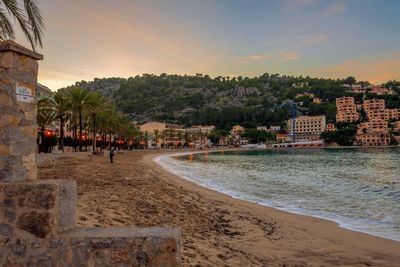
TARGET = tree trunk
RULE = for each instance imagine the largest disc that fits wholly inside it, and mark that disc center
(94, 133)
(110, 140)
(75, 135)
(61, 141)
(80, 131)
(43, 149)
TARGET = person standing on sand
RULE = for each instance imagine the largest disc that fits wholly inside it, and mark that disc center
(112, 155)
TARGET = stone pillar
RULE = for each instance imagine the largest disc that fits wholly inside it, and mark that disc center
(18, 128)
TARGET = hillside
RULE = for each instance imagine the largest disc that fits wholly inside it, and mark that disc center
(222, 101)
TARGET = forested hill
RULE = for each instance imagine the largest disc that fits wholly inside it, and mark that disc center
(220, 101)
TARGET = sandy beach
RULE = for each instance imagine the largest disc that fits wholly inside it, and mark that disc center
(217, 230)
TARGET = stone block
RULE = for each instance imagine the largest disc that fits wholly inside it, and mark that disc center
(67, 205)
(37, 223)
(124, 246)
(41, 208)
(4, 150)
(8, 119)
(5, 100)
(29, 131)
(7, 60)
(6, 229)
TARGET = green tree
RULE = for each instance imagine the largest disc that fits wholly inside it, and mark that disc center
(61, 103)
(256, 136)
(342, 137)
(81, 101)
(45, 116)
(28, 17)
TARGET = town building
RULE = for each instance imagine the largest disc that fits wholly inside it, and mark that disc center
(310, 95)
(262, 128)
(163, 134)
(376, 125)
(205, 129)
(152, 127)
(396, 126)
(282, 137)
(300, 85)
(42, 91)
(373, 133)
(275, 128)
(380, 90)
(373, 139)
(272, 128)
(307, 128)
(330, 127)
(346, 109)
(356, 88)
(237, 130)
(375, 109)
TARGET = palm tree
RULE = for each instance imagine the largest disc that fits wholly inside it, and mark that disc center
(61, 103)
(96, 105)
(81, 100)
(29, 19)
(45, 116)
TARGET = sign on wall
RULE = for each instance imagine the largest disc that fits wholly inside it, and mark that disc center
(24, 93)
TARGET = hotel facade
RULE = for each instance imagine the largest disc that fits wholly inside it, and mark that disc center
(307, 128)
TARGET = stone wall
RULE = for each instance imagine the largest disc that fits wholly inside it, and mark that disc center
(18, 128)
(37, 228)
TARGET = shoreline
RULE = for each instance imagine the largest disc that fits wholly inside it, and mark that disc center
(168, 169)
(339, 223)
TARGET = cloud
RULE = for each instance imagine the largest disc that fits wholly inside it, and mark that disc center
(288, 56)
(376, 69)
(251, 58)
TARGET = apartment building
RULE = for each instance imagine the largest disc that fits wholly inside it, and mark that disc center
(375, 109)
(397, 126)
(205, 129)
(151, 127)
(380, 90)
(307, 128)
(373, 133)
(346, 110)
(373, 104)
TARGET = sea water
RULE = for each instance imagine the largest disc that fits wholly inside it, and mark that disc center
(359, 188)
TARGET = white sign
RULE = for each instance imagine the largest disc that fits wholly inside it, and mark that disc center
(22, 90)
(25, 98)
(24, 94)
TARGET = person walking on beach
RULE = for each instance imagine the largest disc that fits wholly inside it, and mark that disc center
(112, 155)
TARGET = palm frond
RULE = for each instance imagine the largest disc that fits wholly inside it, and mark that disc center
(35, 19)
(30, 21)
(6, 29)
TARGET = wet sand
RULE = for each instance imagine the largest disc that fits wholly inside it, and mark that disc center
(217, 230)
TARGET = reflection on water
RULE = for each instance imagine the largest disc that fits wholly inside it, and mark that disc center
(359, 188)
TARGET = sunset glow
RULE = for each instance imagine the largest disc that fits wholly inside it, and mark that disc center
(295, 37)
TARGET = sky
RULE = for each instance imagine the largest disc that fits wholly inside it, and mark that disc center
(122, 38)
